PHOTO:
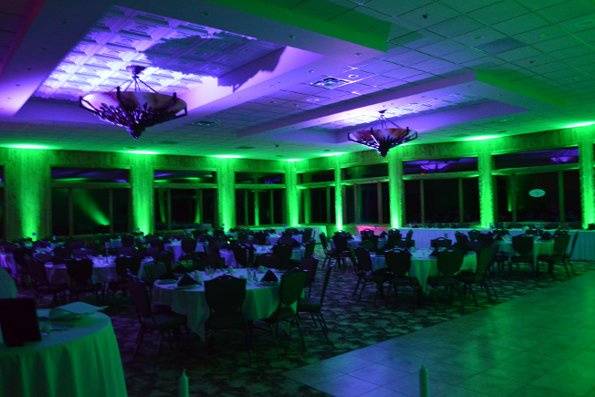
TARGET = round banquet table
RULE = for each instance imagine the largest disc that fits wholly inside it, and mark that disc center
(176, 248)
(423, 265)
(8, 288)
(104, 270)
(260, 303)
(77, 359)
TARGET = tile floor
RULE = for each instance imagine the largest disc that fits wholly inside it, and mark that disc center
(541, 344)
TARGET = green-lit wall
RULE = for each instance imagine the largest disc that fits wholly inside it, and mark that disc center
(28, 180)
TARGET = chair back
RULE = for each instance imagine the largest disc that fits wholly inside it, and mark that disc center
(188, 245)
(340, 242)
(323, 241)
(363, 260)
(325, 282)
(398, 262)
(309, 249)
(153, 271)
(560, 245)
(307, 234)
(310, 265)
(462, 241)
(282, 254)
(140, 297)
(243, 255)
(485, 259)
(393, 239)
(225, 295)
(127, 241)
(80, 271)
(213, 256)
(523, 245)
(440, 242)
(36, 270)
(291, 287)
(449, 262)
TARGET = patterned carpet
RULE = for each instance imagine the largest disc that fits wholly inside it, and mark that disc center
(226, 371)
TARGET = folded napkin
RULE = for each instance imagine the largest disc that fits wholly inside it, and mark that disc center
(73, 310)
(269, 277)
(186, 280)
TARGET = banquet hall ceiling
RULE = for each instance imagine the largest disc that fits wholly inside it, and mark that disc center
(252, 72)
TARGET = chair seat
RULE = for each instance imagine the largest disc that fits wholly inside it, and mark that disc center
(225, 322)
(164, 321)
(283, 313)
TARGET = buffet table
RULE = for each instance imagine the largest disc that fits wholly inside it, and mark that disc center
(74, 359)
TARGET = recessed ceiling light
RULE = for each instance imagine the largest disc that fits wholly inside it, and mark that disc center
(204, 123)
(331, 83)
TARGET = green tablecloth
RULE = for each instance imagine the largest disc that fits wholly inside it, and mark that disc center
(82, 359)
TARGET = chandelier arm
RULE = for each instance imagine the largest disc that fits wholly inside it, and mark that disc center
(148, 86)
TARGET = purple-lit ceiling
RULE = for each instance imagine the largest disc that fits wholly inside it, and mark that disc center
(449, 69)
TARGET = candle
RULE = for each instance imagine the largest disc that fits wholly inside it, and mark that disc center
(424, 390)
(183, 385)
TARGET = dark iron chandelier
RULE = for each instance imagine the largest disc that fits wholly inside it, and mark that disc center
(383, 136)
(136, 109)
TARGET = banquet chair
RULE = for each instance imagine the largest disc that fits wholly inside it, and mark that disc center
(310, 265)
(41, 284)
(449, 262)
(398, 264)
(188, 246)
(481, 277)
(325, 247)
(568, 254)
(244, 255)
(309, 246)
(166, 323)
(213, 257)
(120, 284)
(366, 275)
(291, 288)
(80, 274)
(558, 254)
(314, 310)
(341, 253)
(225, 297)
(307, 234)
(393, 239)
(523, 246)
(440, 242)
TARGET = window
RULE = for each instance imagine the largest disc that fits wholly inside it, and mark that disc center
(90, 201)
(413, 201)
(317, 176)
(256, 207)
(262, 178)
(366, 203)
(365, 171)
(441, 202)
(439, 166)
(185, 177)
(536, 158)
(322, 204)
(176, 209)
(2, 204)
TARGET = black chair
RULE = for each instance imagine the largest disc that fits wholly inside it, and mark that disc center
(310, 265)
(166, 323)
(462, 242)
(80, 274)
(188, 246)
(290, 291)
(307, 234)
(309, 246)
(341, 253)
(281, 256)
(570, 252)
(523, 251)
(123, 272)
(440, 243)
(213, 257)
(393, 239)
(325, 247)
(41, 285)
(398, 264)
(366, 275)
(243, 254)
(225, 297)
(559, 254)
(314, 310)
(449, 262)
(485, 259)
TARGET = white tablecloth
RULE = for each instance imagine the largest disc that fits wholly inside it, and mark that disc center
(104, 270)
(259, 304)
(273, 238)
(8, 288)
(423, 265)
(7, 262)
(540, 247)
(297, 254)
(79, 359)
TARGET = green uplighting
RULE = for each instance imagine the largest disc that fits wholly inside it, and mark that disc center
(227, 156)
(580, 124)
(148, 152)
(83, 199)
(30, 146)
(480, 137)
(293, 160)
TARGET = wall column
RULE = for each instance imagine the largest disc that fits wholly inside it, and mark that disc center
(257, 208)
(396, 188)
(141, 181)
(585, 158)
(486, 188)
(226, 193)
(338, 195)
(292, 195)
(27, 194)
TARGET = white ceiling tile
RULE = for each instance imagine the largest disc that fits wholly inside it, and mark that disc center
(463, 56)
(442, 48)
(519, 53)
(456, 26)
(568, 10)
(579, 24)
(556, 44)
(520, 24)
(479, 37)
(425, 16)
(540, 34)
(498, 12)
(395, 8)
(467, 5)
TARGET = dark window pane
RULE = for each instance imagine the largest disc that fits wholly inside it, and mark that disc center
(60, 212)
(470, 200)
(183, 208)
(90, 211)
(504, 199)
(441, 200)
(385, 204)
(369, 203)
(278, 206)
(412, 202)
(536, 158)
(82, 175)
(121, 210)
(365, 171)
(572, 196)
(440, 165)
(209, 206)
(267, 178)
(266, 216)
(317, 176)
(349, 204)
(537, 197)
(318, 205)
(191, 176)
(161, 208)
